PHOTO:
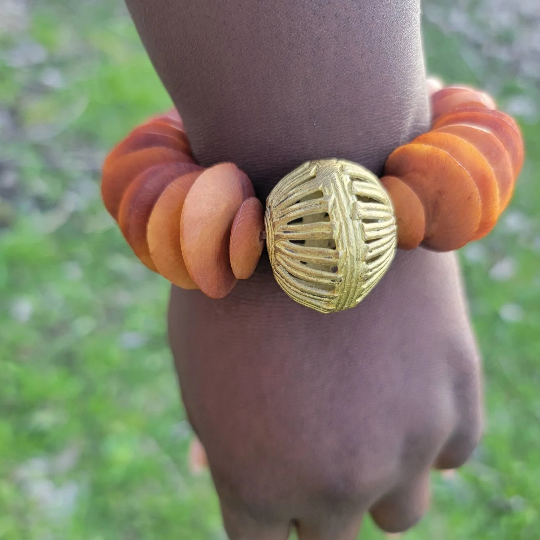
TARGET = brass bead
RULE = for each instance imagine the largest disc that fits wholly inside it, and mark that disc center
(330, 233)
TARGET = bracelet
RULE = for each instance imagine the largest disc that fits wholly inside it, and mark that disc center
(331, 226)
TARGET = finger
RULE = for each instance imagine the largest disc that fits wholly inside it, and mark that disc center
(241, 526)
(403, 507)
(448, 474)
(462, 442)
(197, 457)
(468, 399)
(330, 528)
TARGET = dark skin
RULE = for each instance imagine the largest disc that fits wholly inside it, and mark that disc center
(312, 420)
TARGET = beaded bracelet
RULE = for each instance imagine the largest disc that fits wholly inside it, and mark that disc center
(331, 226)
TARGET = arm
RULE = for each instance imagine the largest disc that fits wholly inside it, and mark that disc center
(306, 418)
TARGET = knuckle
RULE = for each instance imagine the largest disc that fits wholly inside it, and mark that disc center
(359, 481)
(256, 499)
(398, 520)
(402, 509)
(460, 447)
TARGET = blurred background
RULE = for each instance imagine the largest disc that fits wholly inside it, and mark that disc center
(93, 440)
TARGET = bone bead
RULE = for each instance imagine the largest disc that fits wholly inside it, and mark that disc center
(163, 231)
(138, 202)
(410, 215)
(205, 227)
(479, 169)
(247, 242)
(446, 190)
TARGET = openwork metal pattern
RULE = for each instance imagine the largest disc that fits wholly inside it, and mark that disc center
(330, 233)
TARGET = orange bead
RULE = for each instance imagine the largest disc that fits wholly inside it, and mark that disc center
(476, 165)
(119, 173)
(247, 187)
(138, 201)
(453, 89)
(205, 227)
(446, 190)
(500, 124)
(409, 212)
(173, 114)
(499, 114)
(450, 99)
(494, 153)
(171, 117)
(163, 125)
(163, 231)
(151, 136)
(164, 128)
(247, 238)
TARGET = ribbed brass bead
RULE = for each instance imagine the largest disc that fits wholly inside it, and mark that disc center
(330, 233)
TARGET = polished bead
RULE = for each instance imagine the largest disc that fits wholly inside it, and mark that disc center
(410, 215)
(139, 200)
(478, 168)
(119, 173)
(205, 227)
(163, 231)
(247, 238)
(448, 194)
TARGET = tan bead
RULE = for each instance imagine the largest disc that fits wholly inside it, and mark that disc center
(138, 201)
(410, 215)
(247, 238)
(163, 231)
(151, 136)
(205, 227)
(494, 153)
(500, 124)
(446, 190)
(171, 117)
(247, 187)
(479, 169)
(119, 173)
(162, 127)
(452, 98)
(173, 114)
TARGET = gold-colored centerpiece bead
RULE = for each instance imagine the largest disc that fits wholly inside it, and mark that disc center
(330, 233)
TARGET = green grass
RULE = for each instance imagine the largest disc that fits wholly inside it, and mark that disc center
(93, 440)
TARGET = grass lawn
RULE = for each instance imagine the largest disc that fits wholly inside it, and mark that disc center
(93, 440)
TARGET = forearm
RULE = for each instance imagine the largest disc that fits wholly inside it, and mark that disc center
(269, 85)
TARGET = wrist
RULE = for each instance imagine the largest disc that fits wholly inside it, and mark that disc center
(269, 88)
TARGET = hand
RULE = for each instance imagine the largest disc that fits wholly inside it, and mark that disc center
(318, 418)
